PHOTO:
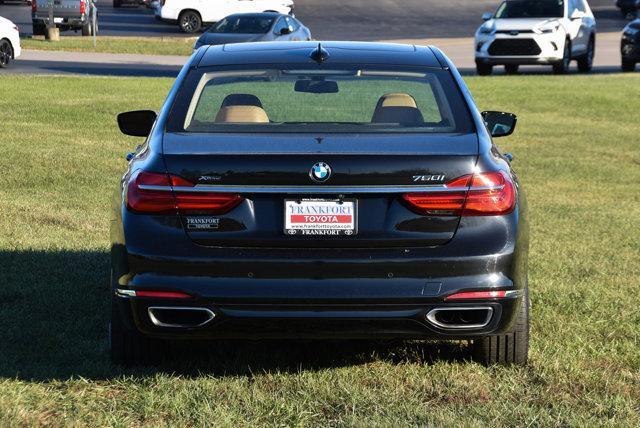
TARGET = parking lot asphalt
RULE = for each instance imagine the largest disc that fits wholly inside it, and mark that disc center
(449, 24)
(332, 19)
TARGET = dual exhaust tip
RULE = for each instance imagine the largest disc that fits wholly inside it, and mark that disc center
(180, 317)
(460, 317)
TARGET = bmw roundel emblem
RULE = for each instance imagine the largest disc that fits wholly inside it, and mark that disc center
(320, 172)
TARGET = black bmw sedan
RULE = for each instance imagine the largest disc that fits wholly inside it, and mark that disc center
(630, 45)
(319, 191)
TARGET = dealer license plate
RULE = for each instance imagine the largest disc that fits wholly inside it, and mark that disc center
(309, 217)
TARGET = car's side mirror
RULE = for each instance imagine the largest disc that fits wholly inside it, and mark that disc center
(137, 123)
(500, 124)
(577, 14)
(487, 16)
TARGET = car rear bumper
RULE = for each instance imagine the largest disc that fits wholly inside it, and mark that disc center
(322, 292)
(65, 23)
(314, 321)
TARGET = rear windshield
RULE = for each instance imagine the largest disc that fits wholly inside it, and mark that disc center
(287, 100)
(243, 25)
(531, 9)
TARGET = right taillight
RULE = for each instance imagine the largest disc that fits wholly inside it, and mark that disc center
(485, 193)
(157, 193)
(491, 193)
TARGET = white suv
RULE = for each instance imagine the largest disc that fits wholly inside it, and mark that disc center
(191, 14)
(552, 32)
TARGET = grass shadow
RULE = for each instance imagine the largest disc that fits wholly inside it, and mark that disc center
(54, 317)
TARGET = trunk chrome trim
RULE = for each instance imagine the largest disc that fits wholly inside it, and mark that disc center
(315, 189)
(431, 317)
(157, 322)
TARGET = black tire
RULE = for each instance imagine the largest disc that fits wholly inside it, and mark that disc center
(585, 62)
(39, 29)
(483, 69)
(190, 21)
(87, 29)
(511, 348)
(628, 65)
(562, 67)
(511, 68)
(6, 53)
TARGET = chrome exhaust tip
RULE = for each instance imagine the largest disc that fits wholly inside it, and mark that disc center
(180, 317)
(460, 317)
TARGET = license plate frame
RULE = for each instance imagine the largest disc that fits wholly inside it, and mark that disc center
(342, 228)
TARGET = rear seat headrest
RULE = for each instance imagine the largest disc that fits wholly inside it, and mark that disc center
(242, 114)
(397, 108)
(241, 100)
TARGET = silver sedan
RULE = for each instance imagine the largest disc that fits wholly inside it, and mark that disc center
(254, 27)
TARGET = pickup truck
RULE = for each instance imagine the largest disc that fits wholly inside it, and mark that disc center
(191, 15)
(67, 15)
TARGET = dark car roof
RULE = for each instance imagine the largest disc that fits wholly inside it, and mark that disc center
(300, 52)
(256, 15)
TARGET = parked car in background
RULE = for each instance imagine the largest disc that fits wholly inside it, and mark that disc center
(76, 15)
(319, 191)
(120, 3)
(27, 2)
(528, 32)
(9, 42)
(630, 45)
(254, 27)
(191, 15)
(628, 6)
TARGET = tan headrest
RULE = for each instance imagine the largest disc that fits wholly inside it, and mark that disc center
(397, 108)
(242, 114)
(397, 100)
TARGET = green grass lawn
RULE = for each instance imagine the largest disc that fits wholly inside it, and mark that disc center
(106, 44)
(577, 152)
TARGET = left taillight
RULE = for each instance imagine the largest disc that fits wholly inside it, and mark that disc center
(34, 6)
(83, 7)
(157, 193)
(480, 194)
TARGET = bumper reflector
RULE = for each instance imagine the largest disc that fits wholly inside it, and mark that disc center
(477, 295)
(153, 294)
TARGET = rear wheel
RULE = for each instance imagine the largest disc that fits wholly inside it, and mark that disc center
(6, 53)
(509, 348)
(628, 65)
(483, 69)
(87, 29)
(585, 62)
(190, 21)
(39, 29)
(562, 67)
(129, 348)
(511, 68)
